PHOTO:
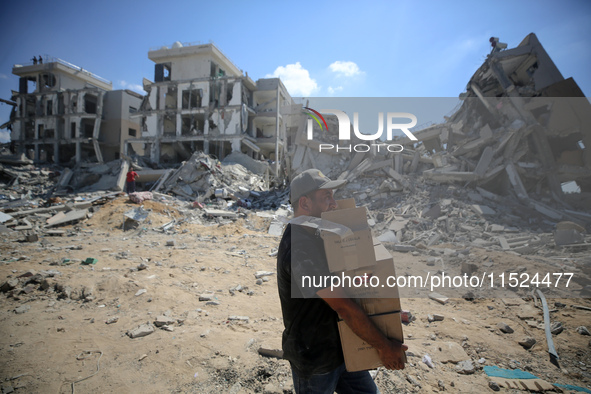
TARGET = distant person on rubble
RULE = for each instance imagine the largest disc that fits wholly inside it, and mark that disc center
(131, 177)
(311, 339)
(34, 59)
(40, 60)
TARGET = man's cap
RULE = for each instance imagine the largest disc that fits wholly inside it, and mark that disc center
(309, 181)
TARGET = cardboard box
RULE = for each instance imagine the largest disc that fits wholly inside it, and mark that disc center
(382, 298)
(361, 356)
(358, 255)
(355, 250)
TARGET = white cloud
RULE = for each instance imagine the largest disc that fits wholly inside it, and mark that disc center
(3, 76)
(296, 79)
(345, 69)
(4, 136)
(131, 86)
(332, 90)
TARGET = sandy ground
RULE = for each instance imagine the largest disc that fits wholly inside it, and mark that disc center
(59, 340)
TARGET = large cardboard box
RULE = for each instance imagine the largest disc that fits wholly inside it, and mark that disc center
(358, 255)
(376, 295)
(353, 251)
(361, 356)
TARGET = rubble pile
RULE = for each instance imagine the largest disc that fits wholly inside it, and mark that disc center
(455, 214)
(92, 177)
(522, 129)
(202, 177)
(31, 217)
(520, 132)
(21, 183)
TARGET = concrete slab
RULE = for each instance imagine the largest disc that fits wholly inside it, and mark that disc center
(504, 243)
(220, 213)
(516, 181)
(276, 228)
(483, 210)
(4, 217)
(62, 218)
(450, 352)
(484, 161)
(137, 214)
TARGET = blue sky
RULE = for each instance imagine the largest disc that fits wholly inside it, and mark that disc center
(319, 49)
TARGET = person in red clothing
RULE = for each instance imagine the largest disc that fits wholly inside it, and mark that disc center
(131, 177)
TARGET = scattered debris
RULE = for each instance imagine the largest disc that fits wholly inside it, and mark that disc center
(504, 328)
(517, 379)
(527, 342)
(141, 331)
(465, 367)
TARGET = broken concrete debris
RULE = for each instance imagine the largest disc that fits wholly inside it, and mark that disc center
(504, 327)
(141, 331)
(465, 367)
(527, 342)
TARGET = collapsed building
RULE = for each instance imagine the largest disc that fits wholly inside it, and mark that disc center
(64, 114)
(521, 128)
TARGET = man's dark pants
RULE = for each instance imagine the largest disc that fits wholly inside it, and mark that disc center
(339, 380)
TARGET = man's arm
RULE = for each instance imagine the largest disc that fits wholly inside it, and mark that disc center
(389, 351)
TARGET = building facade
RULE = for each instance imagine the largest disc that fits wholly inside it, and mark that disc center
(59, 114)
(201, 101)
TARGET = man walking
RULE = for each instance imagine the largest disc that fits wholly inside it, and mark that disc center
(311, 338)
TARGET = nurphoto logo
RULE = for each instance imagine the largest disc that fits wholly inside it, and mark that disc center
(345, 130)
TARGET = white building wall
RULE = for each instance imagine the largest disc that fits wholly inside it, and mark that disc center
(161, 99)
(190, 68)
(234, 125)
(236, 93)
(153, 96)
(268, 130)
(229, 124)
(205, 87)
(65, 81)
(152, 124)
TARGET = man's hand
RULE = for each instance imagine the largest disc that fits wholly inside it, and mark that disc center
(392, 355)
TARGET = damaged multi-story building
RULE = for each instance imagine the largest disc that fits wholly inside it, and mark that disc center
(201, 101)
(63, 114)
(523, 128)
